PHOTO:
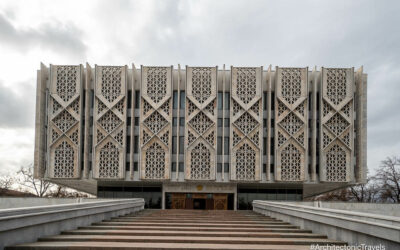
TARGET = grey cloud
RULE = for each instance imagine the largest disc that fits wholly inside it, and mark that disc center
(17, 110)
(303, 33)
(60, 37)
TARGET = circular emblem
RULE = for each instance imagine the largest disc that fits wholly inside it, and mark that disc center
(199, 187)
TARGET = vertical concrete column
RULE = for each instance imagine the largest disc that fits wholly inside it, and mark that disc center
(40, 118)
(86, 152)
(138, 84)
(361, 125)
(313, 145)
(269, 89)
(177, 121)
(223, 123)
(132, 159)
(163, 197)
(235, 199)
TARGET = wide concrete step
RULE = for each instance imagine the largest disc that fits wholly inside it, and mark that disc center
(190, 239)
(198, 214)
(293, 234)
(203, 229)
(197, 221)
(185, 229)
(194, 220)
(194, 217)
(199, 217)
(148, 245)
(258, 225)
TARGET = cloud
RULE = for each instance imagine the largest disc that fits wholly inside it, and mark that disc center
(250, 33)
(16, 148)
(55, 35)
(17, 105)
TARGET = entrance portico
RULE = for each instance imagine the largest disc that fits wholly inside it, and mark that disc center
(199, 196)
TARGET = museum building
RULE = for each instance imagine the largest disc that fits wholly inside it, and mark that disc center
(201, 137)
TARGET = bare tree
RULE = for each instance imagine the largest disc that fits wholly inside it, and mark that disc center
(365, 192)
(388, 179)
(6, 181)
(337, 195)
(64, 192)
(25, 178)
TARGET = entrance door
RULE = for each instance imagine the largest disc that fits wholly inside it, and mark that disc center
(178, 201)
(199, 203)
(220, 201)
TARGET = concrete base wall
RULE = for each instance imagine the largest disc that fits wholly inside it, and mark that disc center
(29, 226)
(387, 209)
(16, 202)
(354, 231)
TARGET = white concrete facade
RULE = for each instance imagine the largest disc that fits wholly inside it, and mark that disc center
(249, 126)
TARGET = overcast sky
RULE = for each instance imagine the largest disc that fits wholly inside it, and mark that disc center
(201, 33)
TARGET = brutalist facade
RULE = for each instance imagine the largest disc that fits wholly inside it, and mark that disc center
(173, 134)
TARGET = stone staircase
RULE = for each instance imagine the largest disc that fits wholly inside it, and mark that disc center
(185, 229)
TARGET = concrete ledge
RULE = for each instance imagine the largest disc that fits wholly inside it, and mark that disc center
(24, 225)
(318, 207)
(352, 227)
(19, 202)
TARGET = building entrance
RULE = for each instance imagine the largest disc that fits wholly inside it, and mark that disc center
(199, 204)
(199, 201)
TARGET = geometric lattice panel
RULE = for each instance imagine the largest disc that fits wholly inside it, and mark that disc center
(109, 122)
(155, 123)
(336, 126)
(291, 122)
(201, 118)
(64, 121)
(246, 123)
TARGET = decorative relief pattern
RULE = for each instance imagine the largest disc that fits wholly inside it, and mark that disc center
(157, 83)
(236, 108)
(200, 163)
(109, 122)
(109, 161)
(336, 161)
(336, 127)
(66, 83)
(291, 164)
(246, 163)
(191, 107)
(336, 124)
(111, 83)
(291, 123)
(201, 117)
(56, 106)
(64, 121)
(246, 90)
(64, 155)
(155, 162)
(201, 123)
(201, 91)
(246, 124)
(156, 122)
(291, 84)
(236, 138)
(336, 85)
